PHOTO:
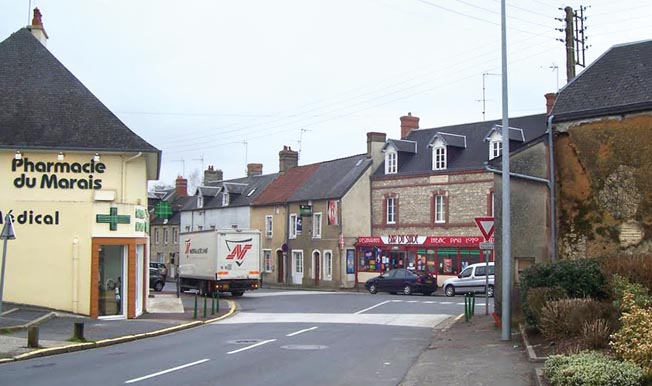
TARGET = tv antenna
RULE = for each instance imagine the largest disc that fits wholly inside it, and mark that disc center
(201, 158)
(301, 139)
(484, 87)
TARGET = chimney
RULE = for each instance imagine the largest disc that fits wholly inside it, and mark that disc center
(212, 176)
(408, 123)
(375, 143)
(551, 97)
(182, 187)
(254, 170)
(37, 27)
(287, 159)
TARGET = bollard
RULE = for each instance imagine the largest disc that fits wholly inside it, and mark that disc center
(473, 303)
(32, 337)
(217, 301)
(205, 300)
(466, 307)
(213, 303)
(78, 332)
(194, 315)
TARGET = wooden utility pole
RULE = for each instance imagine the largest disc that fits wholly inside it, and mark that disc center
(570, 47)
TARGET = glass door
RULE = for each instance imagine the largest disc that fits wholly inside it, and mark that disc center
(111, 283)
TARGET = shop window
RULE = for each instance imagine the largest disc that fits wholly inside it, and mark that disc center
(267, 260)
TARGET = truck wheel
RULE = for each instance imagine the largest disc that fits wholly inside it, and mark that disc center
(237, 293)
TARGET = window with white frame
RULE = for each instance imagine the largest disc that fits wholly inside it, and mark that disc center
(391, 162)
(269, 226)
(440, 208)
(156, 236)
(165, 236)
(328, 265)
(495, 149)
(316, 226)
(175, 235)
(298, 261)
(225, 199)
(267, 260)
(293, 226)
(391, 210)
(439, 158)
(200, 201)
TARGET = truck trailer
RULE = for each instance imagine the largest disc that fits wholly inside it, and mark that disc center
(227, 260)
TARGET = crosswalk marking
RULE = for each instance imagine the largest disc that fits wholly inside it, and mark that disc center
(405, 320)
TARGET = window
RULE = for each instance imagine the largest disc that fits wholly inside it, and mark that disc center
(175, 235)
(165, 236)
(225, 199)
(495, 148)
(440, 208)
(439, 158)
(267, 260)
(391, 158)
(159, 257)
(269, 225)
(156, 236)
(200, 202)
(328, 265)
(316, 226)
(293, 226)
(298, 261)
(391, 210)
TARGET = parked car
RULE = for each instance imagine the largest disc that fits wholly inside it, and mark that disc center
(472, 279)
(403, 280)
(161, 267)
(156, 280)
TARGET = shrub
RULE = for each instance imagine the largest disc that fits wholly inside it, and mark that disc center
(590, 368)
(633, 342)
(580, 278)
(595, 333)
(567, 317)
(538, 297)
(635, 268)
(621, 285)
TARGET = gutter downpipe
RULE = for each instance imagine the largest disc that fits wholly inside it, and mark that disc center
(551, 187)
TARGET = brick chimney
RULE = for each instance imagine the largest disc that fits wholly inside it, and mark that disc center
(254, 170)
(212, 176)
(182, 187)
(551, 97)
(287, 159)
(408, 123)
(37, 27)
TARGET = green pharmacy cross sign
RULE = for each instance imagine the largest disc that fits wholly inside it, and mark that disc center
(113, 219)
(163, 210)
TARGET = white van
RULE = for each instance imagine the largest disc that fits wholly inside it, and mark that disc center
(472, 279)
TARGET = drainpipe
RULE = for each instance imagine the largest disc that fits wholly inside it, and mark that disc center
(124, 174)
(551, 187)
(75, 275)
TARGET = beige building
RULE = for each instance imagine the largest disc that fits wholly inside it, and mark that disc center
(75, 180)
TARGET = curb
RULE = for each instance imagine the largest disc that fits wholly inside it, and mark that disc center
(25, 326)
(532, 356)
(108, 342)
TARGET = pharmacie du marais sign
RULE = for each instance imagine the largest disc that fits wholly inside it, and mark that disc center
(47, 174)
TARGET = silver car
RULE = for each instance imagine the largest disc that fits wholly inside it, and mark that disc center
(472, 279)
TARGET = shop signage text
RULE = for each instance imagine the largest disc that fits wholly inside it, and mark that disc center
(422, 240)
(30, 217)
(50, 174)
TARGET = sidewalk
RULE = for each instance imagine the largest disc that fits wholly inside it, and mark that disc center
(472, 354)
(166, 313)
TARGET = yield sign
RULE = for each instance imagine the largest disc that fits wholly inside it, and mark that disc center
(486, 225)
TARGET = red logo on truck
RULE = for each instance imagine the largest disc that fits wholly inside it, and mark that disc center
(238, 251)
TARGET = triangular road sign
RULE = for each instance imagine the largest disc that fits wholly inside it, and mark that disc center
(486, 225)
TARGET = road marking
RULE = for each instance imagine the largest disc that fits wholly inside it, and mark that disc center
(301, 331)
(252, 346)
(167, 371)
(406, 320)
(372, 307)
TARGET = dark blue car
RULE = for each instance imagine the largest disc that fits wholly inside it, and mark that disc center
(403, 280)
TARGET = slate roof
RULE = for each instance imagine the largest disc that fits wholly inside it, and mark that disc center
(43, 106)
(450, 139)
(402, 145)
(473, 157)
(332, 179)
(242, 192)
(619, 81)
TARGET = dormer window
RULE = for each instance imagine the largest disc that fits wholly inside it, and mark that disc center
(439, 157)
(495, 145)
(391, 162)
(495, 139)
(225, 199)
(200, 202)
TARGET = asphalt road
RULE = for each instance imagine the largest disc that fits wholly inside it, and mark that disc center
(276, 338)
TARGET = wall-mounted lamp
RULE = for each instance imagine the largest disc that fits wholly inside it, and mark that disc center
(18, 155)
(60, 156)
(96, 157)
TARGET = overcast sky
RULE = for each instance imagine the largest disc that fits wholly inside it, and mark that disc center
(232, 82)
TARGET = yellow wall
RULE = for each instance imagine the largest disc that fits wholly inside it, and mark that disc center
(49, 264)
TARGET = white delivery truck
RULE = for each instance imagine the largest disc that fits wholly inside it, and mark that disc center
(222, 260)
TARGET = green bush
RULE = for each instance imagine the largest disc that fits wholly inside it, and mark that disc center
(567, 317)
(590, 368)
(580, 278)
(621, 285)
(538, 297)
(633, 342)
